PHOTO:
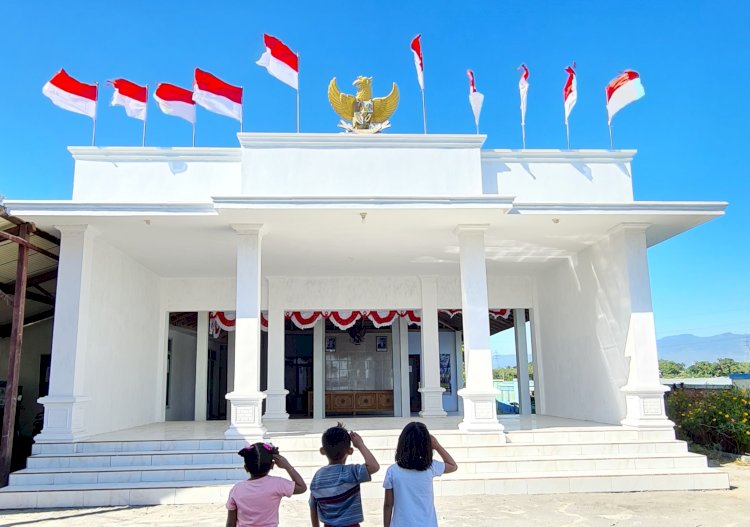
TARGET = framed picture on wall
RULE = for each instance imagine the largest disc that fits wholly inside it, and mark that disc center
(330, 344)
(381, 344)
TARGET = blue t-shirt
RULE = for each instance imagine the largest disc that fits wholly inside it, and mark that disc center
(334, 490)
(413, 497)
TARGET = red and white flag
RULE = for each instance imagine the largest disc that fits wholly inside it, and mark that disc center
(72, 95)
(176, 101)
(280, 61)
(523, 90)
(217, 96)
(416, 48)
(570, 91)
(622, 90)
(130, 96)
(475, 98)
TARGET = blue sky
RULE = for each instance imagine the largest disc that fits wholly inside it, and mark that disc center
(691, 129)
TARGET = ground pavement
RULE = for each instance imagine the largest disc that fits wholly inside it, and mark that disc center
(659, 509)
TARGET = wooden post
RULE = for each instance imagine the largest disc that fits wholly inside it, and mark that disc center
(14, 357)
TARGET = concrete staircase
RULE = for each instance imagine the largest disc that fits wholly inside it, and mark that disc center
(542, 461)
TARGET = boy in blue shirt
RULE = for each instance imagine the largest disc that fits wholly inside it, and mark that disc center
(334, 490)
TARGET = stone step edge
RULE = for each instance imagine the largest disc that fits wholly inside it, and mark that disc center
(460, 460)
(315, 449)
(377, 478)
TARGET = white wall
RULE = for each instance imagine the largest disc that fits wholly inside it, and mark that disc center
(584, 312)
(37, 340)
(123, 342)
(182, 378)
(447, 345)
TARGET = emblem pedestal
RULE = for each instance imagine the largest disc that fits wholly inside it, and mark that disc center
(246, 410)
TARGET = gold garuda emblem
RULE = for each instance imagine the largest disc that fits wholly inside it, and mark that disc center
(361, 113)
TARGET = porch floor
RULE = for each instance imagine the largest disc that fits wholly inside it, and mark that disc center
(186, 430)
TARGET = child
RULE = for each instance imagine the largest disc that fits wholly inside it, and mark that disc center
(256, 501)
(334, 489)
(409, 499)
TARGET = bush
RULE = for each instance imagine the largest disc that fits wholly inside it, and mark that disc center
(718, 419)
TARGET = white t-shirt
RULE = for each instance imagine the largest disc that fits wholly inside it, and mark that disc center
(413, 498)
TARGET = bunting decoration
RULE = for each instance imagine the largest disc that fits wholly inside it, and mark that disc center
(621, 91)
(475, 99)
(523, 90)
(570, 97)
(69, 94)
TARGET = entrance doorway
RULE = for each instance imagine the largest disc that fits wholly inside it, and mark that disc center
(298, 373)
(415, 374)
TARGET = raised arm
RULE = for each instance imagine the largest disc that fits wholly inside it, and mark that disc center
(450, 464)
(370, 462)
(299, 484)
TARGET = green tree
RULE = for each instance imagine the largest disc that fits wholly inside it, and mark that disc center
(703, 368)
(671, 369)
(727, 366)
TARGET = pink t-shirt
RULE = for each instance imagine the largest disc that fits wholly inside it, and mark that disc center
(257, 500)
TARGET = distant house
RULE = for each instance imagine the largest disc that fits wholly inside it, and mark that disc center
(704, 383)
(740, 380)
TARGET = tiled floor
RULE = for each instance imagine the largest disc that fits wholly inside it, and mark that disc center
(185, 430)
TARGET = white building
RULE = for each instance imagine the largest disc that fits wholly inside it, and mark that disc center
(402, 225)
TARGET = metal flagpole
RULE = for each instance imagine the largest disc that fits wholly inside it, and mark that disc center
(297, 92)
(241, 109)
(611, 141)
(523, 135)
(145, 116)
(424, 114)
(193, 134)
(567, 134)
(96, 107)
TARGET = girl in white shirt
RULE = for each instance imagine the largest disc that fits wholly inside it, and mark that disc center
(409, 499)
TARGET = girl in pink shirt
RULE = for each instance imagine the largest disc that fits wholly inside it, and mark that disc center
(255, 502)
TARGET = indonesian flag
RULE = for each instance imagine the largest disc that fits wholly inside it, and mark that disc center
(570, 91)
(475, 98)
(622, 90)
(217, 96)
(416, 48)
(280, 61)
(176, 101)
(523, 89)
(131, 97)
(69, 94)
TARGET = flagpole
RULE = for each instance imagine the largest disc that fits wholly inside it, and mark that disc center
(241, 109)
(611, 141)
(145, 116)
(567, 133)
(523, 135)
(297, 92)
(96, 107)
(424, 113)
(193, 134)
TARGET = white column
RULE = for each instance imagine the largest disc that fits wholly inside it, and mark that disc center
(65, 406)
(538, 359)
(201, 367)
(403, 350)
(522, 361)
(480, 414)
(319, 369)
(246, 398)
(432, 393)
(644, 394)
(396, 367)
(459, 335)
(276, 393)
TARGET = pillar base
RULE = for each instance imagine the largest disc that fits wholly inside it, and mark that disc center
(64, 419)
(276, 404)
(246, 416)
(480, 412)
(432, 402)
(645, 408)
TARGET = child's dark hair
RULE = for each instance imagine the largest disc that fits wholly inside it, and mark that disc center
(414, 450)
(258, 458)
(336, 442)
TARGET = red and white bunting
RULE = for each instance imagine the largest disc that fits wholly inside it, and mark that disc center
(130, 96)
(476, 99)
(622, 90)
(304, 319)
(217, 96)
(381, 319)
(69, 94)
(416, 48)
(523, 90)
(570, 91)
(176, 101)
(280, 61)
(500, 313)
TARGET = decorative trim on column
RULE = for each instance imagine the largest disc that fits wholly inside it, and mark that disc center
(432, 402)
(245, 417)
(64, 419)
(645, 409)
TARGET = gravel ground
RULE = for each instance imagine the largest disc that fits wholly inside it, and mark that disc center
(661, 509)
